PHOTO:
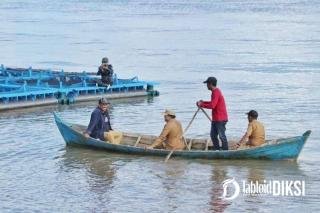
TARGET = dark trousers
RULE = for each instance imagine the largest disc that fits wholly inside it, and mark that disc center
(105, 82)
(219, 128)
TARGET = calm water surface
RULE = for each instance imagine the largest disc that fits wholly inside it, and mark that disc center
(265, 54)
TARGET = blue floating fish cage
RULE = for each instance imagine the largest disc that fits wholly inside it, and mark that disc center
(20, 87)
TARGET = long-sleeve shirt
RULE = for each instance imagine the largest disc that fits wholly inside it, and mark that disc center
(218, 106)
(255, 133)
(171, 136)
(99, 123)
(106, 73)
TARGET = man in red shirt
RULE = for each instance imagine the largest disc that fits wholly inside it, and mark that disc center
(219, 114)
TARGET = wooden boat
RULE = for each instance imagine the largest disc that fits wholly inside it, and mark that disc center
(132, 143)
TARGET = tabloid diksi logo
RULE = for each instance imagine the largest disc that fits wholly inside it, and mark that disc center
(230, 183)
(291, 188)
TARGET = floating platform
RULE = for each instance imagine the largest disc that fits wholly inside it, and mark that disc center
(20, 87)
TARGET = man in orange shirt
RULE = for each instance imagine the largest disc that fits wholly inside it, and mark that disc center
(255, 135)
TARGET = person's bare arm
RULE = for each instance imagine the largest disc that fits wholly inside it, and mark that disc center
(245, 136)
(243, 140)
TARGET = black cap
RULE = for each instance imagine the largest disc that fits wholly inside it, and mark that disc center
(103, 101)
(252, 113)
(105, 60)
(211, 80)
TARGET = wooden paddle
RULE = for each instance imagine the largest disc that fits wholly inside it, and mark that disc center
(188, 126)
(168, 156)
(186, 129)
(206, 114)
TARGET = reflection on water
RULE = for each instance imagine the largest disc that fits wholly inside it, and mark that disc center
(100, 169)
(255, 175)
(173, 186)
(218, 204)
(170, 182)
(265, 55)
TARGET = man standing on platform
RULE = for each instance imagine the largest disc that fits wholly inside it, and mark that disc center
(106, 72)
(219, 114)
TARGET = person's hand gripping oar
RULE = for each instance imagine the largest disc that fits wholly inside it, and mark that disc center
(204, 112)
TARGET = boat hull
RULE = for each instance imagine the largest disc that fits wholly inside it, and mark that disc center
(287, 148)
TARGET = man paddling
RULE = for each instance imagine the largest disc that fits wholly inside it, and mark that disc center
(171, 135)
(100, 126)
(219, 114)
(255, 134)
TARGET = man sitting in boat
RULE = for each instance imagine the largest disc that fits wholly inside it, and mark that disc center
(106, 72)
(100, 126)
(255, 135)
(171, 135)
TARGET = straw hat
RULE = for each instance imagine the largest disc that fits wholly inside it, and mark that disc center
(169, 112)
